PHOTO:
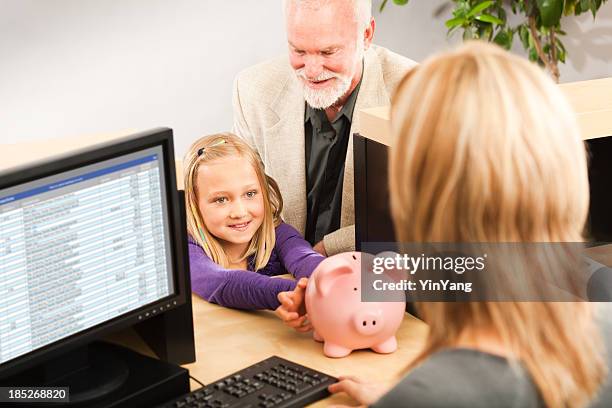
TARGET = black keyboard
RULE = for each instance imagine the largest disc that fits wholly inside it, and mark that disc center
(273, 382)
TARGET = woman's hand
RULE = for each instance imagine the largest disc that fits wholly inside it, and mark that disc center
(292, 309)
(364, 392)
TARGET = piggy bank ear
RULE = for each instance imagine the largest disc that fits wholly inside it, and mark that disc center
(324, 279)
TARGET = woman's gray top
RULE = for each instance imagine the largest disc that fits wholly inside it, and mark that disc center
(470, 378)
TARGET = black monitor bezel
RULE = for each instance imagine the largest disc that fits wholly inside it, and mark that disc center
(84, 157)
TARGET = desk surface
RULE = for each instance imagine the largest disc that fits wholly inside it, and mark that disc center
(228, 340)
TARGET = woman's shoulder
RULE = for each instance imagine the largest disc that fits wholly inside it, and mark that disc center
(464, 378)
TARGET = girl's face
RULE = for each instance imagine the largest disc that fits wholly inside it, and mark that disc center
(230, 201)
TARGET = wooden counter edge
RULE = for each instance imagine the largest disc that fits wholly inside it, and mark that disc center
(591, 100)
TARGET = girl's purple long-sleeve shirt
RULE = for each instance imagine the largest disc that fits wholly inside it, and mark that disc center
(242, 289)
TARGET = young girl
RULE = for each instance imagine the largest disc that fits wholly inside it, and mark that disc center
(237, 240)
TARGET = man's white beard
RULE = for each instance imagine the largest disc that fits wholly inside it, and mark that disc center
(323, 98)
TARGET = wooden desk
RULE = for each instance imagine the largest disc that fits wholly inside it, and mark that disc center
(228, 340)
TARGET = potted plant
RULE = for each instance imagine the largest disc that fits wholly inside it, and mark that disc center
(539, 29)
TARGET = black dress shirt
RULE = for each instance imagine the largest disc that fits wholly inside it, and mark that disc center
(326, 145)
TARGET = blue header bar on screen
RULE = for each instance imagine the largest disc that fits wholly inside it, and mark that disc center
(74, 180)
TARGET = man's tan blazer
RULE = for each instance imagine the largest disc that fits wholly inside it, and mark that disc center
(269, 114)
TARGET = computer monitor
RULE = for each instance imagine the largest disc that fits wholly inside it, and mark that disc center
(90, 242)
(599, 225)
(373, 221)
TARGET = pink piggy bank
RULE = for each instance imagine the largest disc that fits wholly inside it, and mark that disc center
(339, 318)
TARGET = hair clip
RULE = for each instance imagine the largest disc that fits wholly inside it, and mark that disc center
(217, 143)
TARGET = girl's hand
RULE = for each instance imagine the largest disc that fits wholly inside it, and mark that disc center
(292, 310)
(364, 392)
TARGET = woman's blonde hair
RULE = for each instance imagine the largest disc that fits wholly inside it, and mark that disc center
(219, 146)
(486, 149)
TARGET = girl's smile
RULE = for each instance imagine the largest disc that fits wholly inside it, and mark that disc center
(240, 227)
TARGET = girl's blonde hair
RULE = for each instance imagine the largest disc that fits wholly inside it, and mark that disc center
(219, 146)
(486, 149)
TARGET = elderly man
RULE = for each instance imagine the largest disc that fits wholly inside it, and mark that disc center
(298, 112)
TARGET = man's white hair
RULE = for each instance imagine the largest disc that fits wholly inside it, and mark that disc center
(363, 8)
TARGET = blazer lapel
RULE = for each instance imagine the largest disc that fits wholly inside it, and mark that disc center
(285, 149)
(371, 94)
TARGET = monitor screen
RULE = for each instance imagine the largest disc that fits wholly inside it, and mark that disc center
(82, 247)
(599, 226)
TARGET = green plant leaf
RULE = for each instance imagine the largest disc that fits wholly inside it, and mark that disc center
(561, 54)
(485, 31)
(480, 7)
(400, 2)
(504, 39)
(560, 45)
(594, 7)
(584, 6)
(487, 18)
(501, 13)
(533, 54)
(524, 35)
(455, 22)
(550, 11)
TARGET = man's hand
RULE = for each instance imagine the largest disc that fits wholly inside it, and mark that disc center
(292, 310)
(365, 393)
(320, 248)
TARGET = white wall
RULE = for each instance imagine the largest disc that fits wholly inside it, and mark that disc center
(71, 67)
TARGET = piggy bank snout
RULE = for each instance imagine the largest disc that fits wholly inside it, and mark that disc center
(369, 322)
